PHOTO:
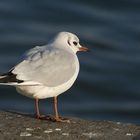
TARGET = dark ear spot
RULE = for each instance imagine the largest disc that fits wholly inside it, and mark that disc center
(69, 42)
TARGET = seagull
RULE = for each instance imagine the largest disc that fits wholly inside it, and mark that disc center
(47, 71)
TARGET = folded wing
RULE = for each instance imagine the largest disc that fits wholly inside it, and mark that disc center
(50, 67)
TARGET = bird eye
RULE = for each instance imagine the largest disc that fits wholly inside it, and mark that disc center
(75, 43)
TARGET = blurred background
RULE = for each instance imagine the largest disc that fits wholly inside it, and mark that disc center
(108, 86)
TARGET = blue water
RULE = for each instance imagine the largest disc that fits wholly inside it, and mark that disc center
(108, 86)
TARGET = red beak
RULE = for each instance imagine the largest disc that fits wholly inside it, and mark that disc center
(83, 49)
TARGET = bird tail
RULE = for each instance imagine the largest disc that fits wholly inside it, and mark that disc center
(9, 78)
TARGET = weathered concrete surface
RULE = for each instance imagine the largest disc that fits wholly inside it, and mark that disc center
(15, 126)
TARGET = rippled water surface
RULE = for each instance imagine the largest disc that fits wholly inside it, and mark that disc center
(108, 86)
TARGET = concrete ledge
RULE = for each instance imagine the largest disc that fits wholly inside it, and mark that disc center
(15, 126)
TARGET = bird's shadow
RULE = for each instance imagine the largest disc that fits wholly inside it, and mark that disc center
(20, 113)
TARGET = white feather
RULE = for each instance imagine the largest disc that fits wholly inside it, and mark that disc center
(2, 77)
(49, 70)
(27, 83)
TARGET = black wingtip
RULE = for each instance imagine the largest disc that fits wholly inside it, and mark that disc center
(9, 77)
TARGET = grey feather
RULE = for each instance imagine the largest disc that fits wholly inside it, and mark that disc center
(49, 66)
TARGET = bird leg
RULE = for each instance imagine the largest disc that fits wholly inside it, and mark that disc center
(57, 118)
(38, 116)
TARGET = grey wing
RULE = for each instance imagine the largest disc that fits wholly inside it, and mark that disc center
(50, 67)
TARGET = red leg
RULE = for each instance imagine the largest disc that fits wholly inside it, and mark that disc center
(37, 109)
(56, 108)
(57, 118)
(38, 116)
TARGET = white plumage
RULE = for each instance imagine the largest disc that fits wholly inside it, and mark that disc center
(47, 71)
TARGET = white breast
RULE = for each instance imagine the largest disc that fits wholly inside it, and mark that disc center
(42, 91)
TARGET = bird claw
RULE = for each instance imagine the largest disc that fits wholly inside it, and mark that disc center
(41, 117)
(52, 118)
(57, 119)
(62, 120)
